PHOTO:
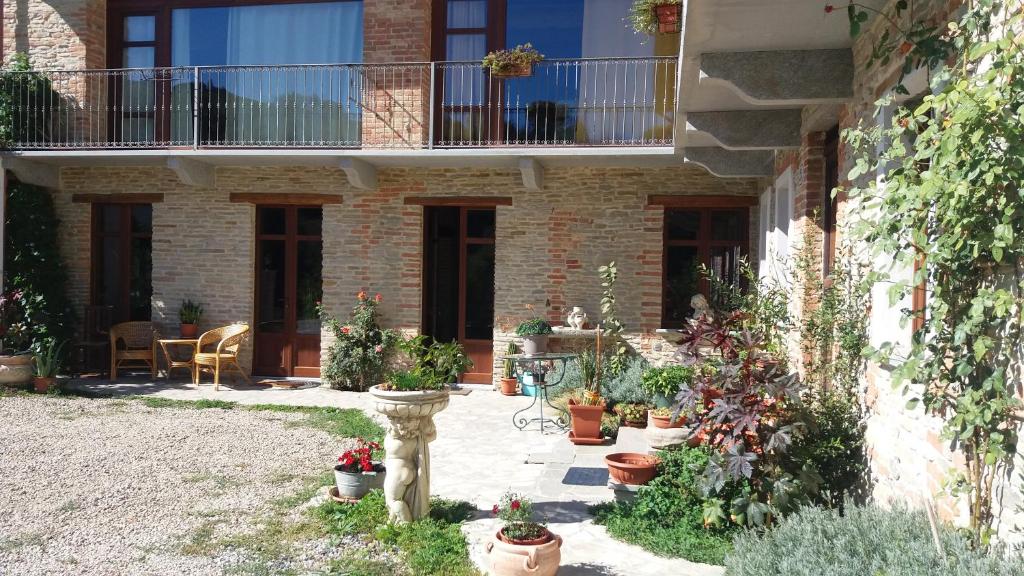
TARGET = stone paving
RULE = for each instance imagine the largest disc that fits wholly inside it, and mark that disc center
(477, 456)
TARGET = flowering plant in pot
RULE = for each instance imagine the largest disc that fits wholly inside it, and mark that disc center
(15, 358)
(47, 363)
(359, 470)
(633, 415)
(522, 546)
(517, 62)
(190, 314)
(509, 383)
(534, 333)
(656, 16)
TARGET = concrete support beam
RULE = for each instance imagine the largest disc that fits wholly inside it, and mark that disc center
(749, 129)
(533, 173)
(31, 172)
(782, 77)
(193, 172)
(732, 163)
(360, 173)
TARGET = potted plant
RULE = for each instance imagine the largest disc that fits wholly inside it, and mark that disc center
(662, 418)
(190, 314)
(632, 468)
(662, 384)
(517, 62)
(359, 470)
(509, 383)
(534, 333)
(633, 415)
(657, 16)
(47, 361)
(362, 350)
(587, 406)
(15, 358)
(522, 546)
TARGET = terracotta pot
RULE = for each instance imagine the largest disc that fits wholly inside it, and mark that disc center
(189, 330)
(669, 18)
(521, 71)
(586, 420)
(666, 421)
(355, 485)
(514, 559)
(509, 386)
(16, 370)
(534, 345)
(632, 467)
(42, 385)
(634, 424)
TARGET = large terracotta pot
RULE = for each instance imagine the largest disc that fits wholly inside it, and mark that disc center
(536, 344)
(189, 330)
(355, 485)
(669, 16)
(586, 420)
(508, 559)
(632, 467)
(509, 386)
(16, 370)
(665, 421)
(43, 385)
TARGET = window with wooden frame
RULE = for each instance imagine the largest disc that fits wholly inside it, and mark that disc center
(122, 260)
(713, 238)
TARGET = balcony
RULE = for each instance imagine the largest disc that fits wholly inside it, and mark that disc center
(609, 102)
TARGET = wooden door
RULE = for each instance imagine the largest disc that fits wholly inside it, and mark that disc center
(289, 286)
(458, 295)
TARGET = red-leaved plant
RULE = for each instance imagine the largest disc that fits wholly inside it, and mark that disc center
(745, 405)
(365, 458)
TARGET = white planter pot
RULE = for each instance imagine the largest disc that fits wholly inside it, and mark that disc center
(355, 485)
(410, 431)
(16, 370)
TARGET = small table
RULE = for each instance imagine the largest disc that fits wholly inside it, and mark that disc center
(167, 343)
(538, 366)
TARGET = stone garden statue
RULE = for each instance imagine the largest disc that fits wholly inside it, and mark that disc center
(701, 308)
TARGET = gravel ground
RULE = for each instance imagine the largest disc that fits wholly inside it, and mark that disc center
(113, 487)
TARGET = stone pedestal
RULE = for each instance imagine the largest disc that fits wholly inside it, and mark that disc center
(410, 430)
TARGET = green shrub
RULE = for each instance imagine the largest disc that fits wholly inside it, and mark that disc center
(834, 445)
(626, 387)
(667, 380)
(862, 541)
(362, 350)
(667, 516)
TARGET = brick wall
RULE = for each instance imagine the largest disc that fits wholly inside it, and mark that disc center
(546, 254)
(57, 34)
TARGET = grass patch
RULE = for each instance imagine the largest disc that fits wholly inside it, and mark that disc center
(158, 402)
(679, 541)
(432, 546)
(354, 565)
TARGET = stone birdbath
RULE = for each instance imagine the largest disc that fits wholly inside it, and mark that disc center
(410, 431)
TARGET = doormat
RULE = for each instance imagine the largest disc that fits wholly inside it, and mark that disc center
(289, 384)
(460, 391)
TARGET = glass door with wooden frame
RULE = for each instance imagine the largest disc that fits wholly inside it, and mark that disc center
(122, 260)
(289, 286)
(458, 287)
(696, 238)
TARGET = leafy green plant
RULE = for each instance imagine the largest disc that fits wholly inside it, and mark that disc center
(611, 326)
(506, 61)
(860, 541)
(516, 512)
(362, 350)
(49, 357)
(533, 327)
(22, 119)
(642, 15)
(632, 412)
(627, 385)
(190, 312)
(14, 327)
(942, 197)
(667, 380)
(508, 367)
(403, 381)
(435, 364)
(834, 445)
(763, 301)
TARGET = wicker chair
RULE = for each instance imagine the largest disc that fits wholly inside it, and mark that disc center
(225, 342)
(137, 342)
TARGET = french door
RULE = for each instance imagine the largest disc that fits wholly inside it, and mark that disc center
(122, 260)
(458, 287)
(289, 286)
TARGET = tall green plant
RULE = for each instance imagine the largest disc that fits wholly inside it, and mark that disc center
(33, 267)
(611, 326)
(951, 198)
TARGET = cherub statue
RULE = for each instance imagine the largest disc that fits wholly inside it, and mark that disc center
(701, 308)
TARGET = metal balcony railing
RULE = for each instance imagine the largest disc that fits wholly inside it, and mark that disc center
(581, 102)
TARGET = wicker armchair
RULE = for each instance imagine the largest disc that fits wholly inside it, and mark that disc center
(219, 348)
(132, 342)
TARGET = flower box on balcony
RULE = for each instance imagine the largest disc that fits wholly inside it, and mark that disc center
(657, 16)
(515, 63)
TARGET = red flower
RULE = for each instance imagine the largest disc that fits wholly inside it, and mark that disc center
(367, 466)
(515, 505)
(378, 298)
(494, 510)
(829, 8)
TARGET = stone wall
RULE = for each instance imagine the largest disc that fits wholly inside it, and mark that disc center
(57, 34)
(549, 243)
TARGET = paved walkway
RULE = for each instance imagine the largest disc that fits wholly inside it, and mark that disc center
(477, 456)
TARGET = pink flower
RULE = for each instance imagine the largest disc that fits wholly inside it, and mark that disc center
(829, 8)
(378, 298)
(378, 348)
(515, 505)
(494, 510)
(345, 329)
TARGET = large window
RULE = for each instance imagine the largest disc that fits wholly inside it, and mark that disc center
(122, 259)
(712, 238)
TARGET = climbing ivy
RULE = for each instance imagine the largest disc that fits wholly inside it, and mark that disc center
(951, 202)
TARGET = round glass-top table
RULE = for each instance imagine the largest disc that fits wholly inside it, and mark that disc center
(539, 368)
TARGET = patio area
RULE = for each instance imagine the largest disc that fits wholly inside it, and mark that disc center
(478, 455)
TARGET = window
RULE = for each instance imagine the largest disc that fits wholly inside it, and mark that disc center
(122, 259)
(830, 205)
(715, 238)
